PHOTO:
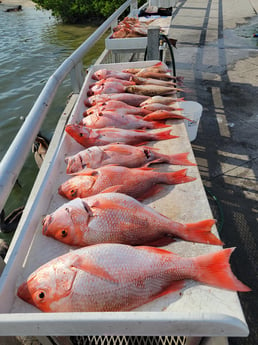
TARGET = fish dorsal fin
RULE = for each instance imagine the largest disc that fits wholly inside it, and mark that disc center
(87, 265)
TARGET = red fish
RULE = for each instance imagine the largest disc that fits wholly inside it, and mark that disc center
(159, 67)
(151, 90)
(159, 106)
(131, 99)
(139, 183)
(119, 218)
(106, 88)
(103, 136)
(152, 81)
(119, 120)
(120, 154)
(161, 99)
(106, 74)
(164, 115)
(114, 106)
(117, 277)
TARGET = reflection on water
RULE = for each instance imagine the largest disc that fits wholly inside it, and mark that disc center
(33, 44)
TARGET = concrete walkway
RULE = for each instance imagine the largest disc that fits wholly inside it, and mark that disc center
(218, 56)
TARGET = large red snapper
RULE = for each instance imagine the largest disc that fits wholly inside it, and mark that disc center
(121, 154)
(114, 105)
(116, 119)
(105, 74)
(118, 277)
(89, 137)
(128, 98)
(119, 218)
(140, 183)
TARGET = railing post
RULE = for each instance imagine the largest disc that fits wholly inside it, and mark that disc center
(77, 77)
(153, 43)
(134, 8)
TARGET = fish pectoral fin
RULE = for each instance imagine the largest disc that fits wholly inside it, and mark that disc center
(112, 189)
(120, 149)
(176, 286)
(164, 241)
(90, 267)
(107, 205)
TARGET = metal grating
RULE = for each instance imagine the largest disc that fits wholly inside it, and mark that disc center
(128, 340)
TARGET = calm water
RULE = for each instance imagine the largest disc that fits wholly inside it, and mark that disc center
(32, 45)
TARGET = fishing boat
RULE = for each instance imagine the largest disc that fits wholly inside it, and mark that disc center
(199, 310)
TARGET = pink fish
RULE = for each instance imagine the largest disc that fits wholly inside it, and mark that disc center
(151, 90)
(159, 106)
(119, 218)
(139, 183)
(131, 99)
(161, 99)
(106, 74)
(114, 106)
(164, 115)
(103, 136)
(106, 88)
(159, 67)
(121, 154)
(152, 81)
(118, 120)
(117, 277)
(112, 79)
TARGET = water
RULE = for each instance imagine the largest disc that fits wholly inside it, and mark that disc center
(32, 45)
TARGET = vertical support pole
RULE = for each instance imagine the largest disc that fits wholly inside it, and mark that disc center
(77, 77)
(134, 8)
(153, 43)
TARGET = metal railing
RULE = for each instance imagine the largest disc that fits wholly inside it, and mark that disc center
(17, 153)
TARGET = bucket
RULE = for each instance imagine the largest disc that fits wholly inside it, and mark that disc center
(191, 110)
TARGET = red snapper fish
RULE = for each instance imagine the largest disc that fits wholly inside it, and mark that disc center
(151, 90)
(121, 154)
(117, 277)
(106, 88)
(106, 74)
(89, 137)
(159, 106)
(131, 99)
(139, 183)
(119, 120)
(162, 114)
(158, 67)
(119, 218)
(113, 105)
(161, 99)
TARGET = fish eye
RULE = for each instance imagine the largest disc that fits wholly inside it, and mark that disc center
(81, 134)
(73, 192)
(41, 295)
(64, 233)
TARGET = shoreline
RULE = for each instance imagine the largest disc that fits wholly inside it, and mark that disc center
(14, 3)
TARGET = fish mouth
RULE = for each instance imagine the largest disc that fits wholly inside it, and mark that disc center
(23, 292)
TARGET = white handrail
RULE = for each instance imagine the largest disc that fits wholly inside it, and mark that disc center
(16, 155)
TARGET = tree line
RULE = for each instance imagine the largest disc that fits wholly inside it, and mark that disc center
(81, 11)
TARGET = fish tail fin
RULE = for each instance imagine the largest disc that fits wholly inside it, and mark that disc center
(180, 159)
(165, 135)
(178, 177)
(214, 269)
(201, 232)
